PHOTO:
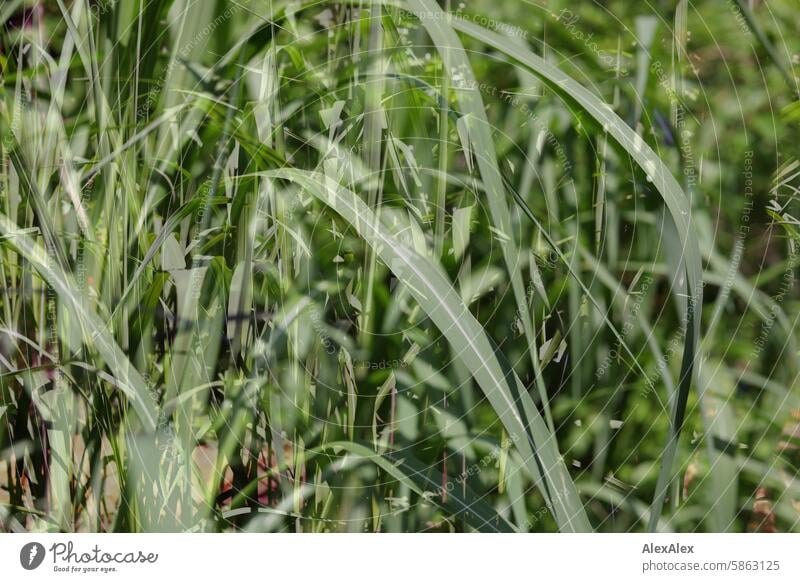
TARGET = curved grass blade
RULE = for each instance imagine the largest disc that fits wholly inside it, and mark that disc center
(444, 306)
(479, 135)
(674, 198)
(128, 378)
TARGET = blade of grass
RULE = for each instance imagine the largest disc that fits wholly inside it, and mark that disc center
(672, 195)
(478, 129)
(443, 305)
(129, 379)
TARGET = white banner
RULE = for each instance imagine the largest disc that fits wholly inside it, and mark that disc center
(399, 557)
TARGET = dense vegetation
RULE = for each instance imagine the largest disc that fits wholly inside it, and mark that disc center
(399, 266)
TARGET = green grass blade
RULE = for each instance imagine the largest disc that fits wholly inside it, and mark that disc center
(469, 342)
(128, 379)
(671, 193)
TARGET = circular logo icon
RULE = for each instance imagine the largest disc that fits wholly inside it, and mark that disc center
(31, 555)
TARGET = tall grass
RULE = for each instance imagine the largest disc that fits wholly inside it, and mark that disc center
(397, 266)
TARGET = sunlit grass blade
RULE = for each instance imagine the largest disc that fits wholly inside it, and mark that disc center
(469, 343)
(674, 198)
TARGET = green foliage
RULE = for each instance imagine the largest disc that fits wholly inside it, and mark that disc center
(398, 266)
